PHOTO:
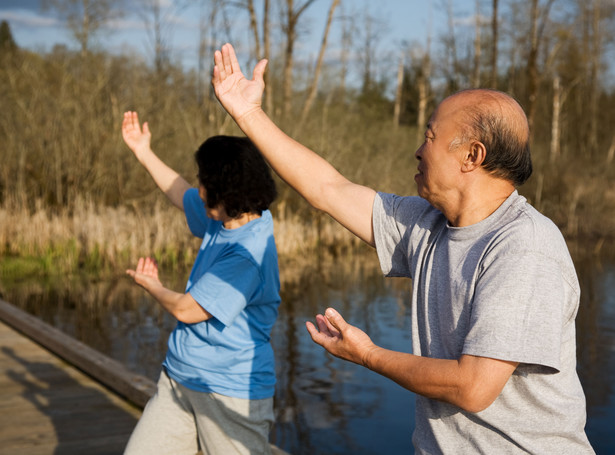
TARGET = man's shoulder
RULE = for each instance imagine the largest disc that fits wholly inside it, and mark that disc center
(525, 221)
(402, 208)
(524, 231)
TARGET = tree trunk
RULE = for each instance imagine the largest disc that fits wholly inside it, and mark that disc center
(346, 45)
(292, 18)
(287, 84)
(323, 45)
(451, 45)
(532, 69)
(555, 121)
(423, 96)
(536, 34)
(398, 91)
(254, 28)
(267, 54)
(84, 34)
(611, 153)
(594, 75)
(494, 46)
(477, 48)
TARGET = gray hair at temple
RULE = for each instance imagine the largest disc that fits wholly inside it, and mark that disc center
(498, 121)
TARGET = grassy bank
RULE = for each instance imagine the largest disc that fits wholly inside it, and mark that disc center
(93, 238)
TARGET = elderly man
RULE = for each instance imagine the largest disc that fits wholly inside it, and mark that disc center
(495, 293)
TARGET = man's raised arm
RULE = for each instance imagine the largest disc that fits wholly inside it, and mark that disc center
(309, 174)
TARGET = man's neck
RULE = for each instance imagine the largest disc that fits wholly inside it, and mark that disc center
(477, 203)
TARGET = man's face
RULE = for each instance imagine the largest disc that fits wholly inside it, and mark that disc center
(440, 165)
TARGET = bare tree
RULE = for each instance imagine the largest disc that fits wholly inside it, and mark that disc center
(267, 54)
(159, 17)
(537, 24)
(477, 47)
(594, 71)
(398, 91)
(422, 85)
(261, 49)
(554, 150)
(450, 43)
(323, 45)
(254, 28)
(292, 15)
(494, 45)
(347, 33)
(532, 65)
(368, 39)
(85, 18)
(209, 11)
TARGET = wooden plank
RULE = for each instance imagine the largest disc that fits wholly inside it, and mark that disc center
(47, 406)
(79, 434)
(113, 374)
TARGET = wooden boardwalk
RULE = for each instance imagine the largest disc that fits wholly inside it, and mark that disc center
(49, 406)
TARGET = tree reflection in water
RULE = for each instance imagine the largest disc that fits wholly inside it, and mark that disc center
(323, 405)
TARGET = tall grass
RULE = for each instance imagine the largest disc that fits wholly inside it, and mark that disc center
(98, 238)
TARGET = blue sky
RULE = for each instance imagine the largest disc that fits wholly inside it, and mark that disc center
(403, 20)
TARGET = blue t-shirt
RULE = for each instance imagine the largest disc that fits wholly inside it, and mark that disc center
(235, 278)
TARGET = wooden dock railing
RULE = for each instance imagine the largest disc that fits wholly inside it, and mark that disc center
(132, 387)
(114, 375)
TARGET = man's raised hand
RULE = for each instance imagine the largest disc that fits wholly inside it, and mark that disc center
(238, 95)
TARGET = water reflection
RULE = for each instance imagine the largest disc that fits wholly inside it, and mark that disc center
(596, 348)
(323, 405)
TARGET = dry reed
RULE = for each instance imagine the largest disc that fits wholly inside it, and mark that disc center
(98, 237)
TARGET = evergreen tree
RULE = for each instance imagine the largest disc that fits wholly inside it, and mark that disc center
(7, 43)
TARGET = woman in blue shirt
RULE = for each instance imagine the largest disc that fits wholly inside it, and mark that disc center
(215, 393)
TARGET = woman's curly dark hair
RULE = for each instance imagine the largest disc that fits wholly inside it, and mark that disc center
(235, 175)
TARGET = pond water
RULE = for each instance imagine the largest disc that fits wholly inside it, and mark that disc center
(323, 405)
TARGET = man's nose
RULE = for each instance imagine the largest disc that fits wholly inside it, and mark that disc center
(419, 152)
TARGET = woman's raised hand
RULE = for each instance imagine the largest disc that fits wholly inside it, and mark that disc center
(136, 139)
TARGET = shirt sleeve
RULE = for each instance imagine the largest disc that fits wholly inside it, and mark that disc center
(517, 312)
(227, 287)
(398, 223)
(196, 216)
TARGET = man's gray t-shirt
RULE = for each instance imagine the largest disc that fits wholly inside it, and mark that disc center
(503, 288)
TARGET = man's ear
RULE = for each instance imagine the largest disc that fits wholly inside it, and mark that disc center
(475, 156)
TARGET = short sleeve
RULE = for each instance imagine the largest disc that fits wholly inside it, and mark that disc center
(518, 310)
(396, 220)
(227, 287)
(196, 216)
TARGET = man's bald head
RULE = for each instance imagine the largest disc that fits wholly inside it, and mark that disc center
(497, 121)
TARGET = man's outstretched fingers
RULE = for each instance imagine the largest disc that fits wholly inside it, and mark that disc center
(259, 70)
(317, 337)
(335, 320)
(227, 49)
(219, 73)
(234, 63)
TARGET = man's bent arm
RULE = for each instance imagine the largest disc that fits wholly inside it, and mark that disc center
(470, 382)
